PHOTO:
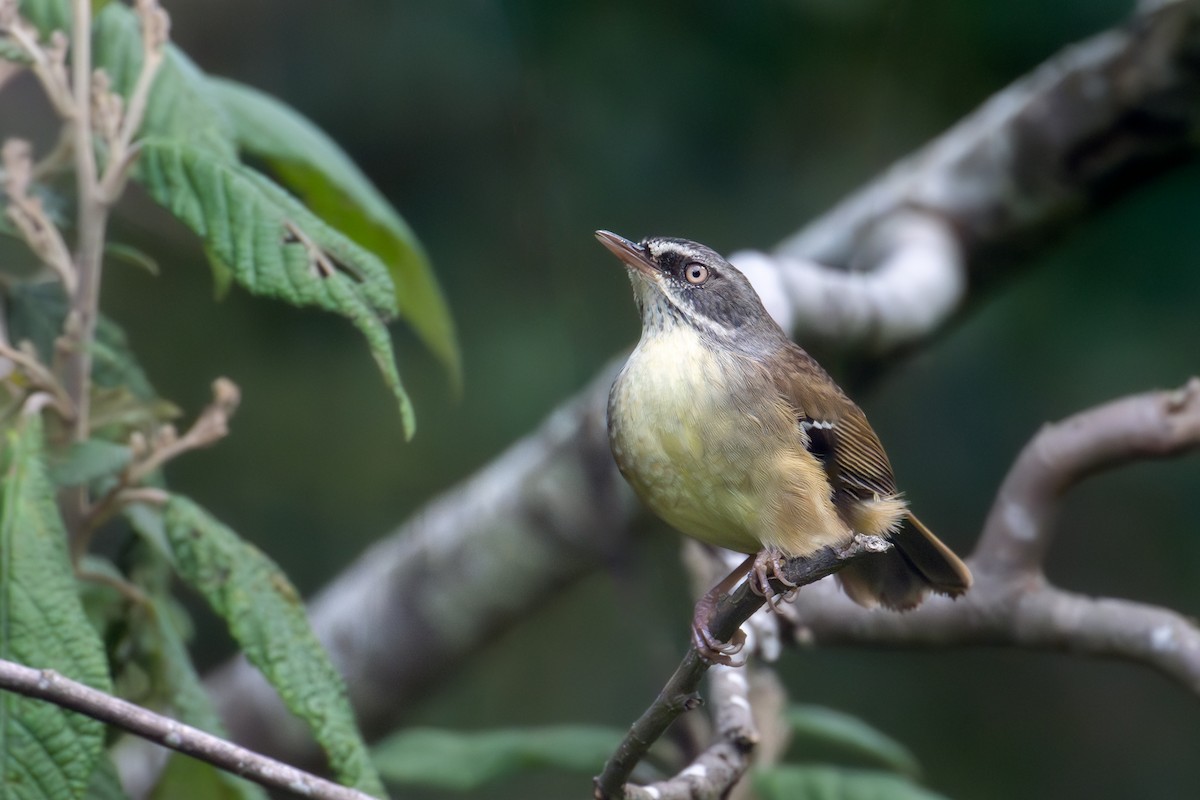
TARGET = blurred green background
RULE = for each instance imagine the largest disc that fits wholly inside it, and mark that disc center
(506, 132)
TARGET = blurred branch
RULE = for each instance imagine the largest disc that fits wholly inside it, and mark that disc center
(542, 514)
(52, 687)
(1084, 128)
(1090, 125)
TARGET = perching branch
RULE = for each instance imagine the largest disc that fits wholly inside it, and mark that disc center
(679, 695)
(1091, 125)
(52, 687)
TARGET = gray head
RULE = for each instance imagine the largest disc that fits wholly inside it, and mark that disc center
(676, 280)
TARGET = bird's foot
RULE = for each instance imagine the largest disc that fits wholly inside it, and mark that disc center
(710, 648)
(768, 564)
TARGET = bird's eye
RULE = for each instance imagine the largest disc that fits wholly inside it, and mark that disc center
(696, 274)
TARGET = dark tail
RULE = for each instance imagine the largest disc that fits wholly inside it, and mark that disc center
(900, 578)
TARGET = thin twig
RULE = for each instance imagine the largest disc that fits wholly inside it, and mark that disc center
(91, 220)
(679, 695)
(210, 427)
(52, 687)
(156, 28)
(48, 63)
(29, 215)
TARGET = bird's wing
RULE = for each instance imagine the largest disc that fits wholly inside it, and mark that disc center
(838, 431)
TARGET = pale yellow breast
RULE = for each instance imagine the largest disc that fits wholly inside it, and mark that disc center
(705, 441)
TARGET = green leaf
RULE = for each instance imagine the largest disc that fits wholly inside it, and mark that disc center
(188, 702)
(266, 617)
(831, 783)
(453, 760)
(255, 229)
(312, 165)
(45, 751)
(132, 256)
(195, 780)
(180, 105)
(87, 461)
(47, 15)
(105, 783)
(853, 735)
(37, 312)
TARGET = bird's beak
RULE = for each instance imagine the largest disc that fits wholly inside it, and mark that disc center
(632, 255)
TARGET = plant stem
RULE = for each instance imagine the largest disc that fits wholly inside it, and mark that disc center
(92, 220)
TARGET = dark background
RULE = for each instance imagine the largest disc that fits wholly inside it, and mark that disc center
(505, 132)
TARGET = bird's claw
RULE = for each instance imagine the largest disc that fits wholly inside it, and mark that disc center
(715, 651)
(768, 565)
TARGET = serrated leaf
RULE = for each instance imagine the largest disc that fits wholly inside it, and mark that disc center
(831, 783)
(853, 735)
(254, 227)
(266, 617)
(190, 703)
(312, 165)
(46, 752)
(458, 760)
(86, 461)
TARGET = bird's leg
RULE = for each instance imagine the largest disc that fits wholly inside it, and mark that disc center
(767, 565)
(709, 647)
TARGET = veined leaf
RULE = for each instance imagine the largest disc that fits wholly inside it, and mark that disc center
(46, 752)
(832, 783)
(266, 617)
(853, 735)
(189, 703)
(311, 164)
(274, 246)
(457, 760)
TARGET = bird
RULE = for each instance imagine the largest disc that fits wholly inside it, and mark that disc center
(734, 435)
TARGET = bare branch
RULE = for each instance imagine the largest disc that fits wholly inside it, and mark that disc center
(1011, 602)
(52, 687)
(888, 265)
(1019, 528)
(679, 694)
